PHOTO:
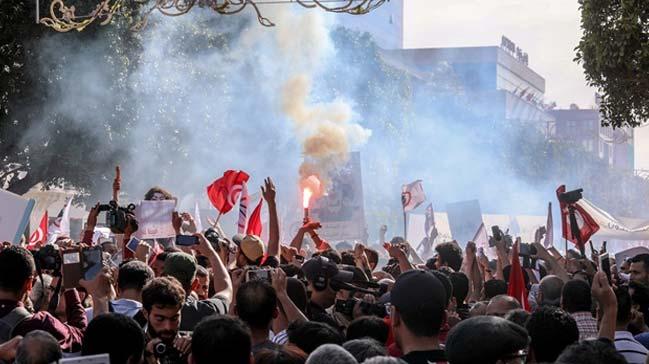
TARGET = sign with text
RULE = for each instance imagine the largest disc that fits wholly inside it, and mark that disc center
(154, 219)
(15, 211)
(464, 219)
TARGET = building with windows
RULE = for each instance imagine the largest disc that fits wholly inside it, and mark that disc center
(583, 128)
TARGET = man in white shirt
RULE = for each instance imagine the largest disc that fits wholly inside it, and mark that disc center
(132, 277)
(625, 344)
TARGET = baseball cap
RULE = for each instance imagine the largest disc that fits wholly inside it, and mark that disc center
(181, 266)
(490, 338)
(320, 266)
(418, 291)
(251, 246)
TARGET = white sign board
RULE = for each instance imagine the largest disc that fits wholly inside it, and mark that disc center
(14, 216)
(154, 219)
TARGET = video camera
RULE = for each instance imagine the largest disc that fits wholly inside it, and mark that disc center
(346, 307)
(119, 217)
(216, 240)
(48, 258)
(322, 272)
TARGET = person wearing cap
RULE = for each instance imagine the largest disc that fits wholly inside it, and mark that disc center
(183, 267)
(319, 272)
(486, 340)
(418, 304)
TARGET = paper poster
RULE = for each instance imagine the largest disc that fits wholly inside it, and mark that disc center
(464, 218)
(14, 216)
(154, 219)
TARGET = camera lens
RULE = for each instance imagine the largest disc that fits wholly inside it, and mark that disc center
(160, 349)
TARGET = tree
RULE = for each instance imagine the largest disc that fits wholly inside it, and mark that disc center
(614, 51)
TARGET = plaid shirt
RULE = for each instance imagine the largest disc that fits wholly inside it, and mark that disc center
(586, 324)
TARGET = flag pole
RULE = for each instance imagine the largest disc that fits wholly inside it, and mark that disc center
(405, 225)
(218, 217)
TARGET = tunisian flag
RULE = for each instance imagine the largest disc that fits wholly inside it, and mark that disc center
(516, 287)
(585, 223)
(254, 224)
(39, 235)
(412, 195)
(224, 192)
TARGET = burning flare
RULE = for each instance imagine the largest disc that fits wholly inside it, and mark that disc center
(306, 196)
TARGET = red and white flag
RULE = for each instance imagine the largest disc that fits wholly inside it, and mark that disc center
(39, 235)
(254, 224)
(516, 286)
(412, 195)
(243, 210)
(224, 192)
(586, 225)
(549, 229)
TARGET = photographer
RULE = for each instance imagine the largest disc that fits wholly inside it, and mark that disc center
(353, 303)
(319, 273)
(17, 274)
(162, 302)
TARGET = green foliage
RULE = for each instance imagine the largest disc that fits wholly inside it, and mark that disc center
(614, 51)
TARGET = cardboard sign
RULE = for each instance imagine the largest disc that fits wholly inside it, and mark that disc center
(14, 216)
(342, 211)
(464, 218)
(154, 219)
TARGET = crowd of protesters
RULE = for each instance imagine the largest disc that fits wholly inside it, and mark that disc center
(240, 300)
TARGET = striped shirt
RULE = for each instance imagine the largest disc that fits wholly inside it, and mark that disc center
(630, 348)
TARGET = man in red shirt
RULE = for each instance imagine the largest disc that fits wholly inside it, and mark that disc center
(17, 270)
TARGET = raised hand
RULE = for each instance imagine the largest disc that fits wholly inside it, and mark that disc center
(268, 190)
(92, 218)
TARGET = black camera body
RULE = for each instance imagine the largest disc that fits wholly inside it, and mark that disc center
(48, 258)
(571, 196)
(346, 307)
(119, 217)
(215, 239)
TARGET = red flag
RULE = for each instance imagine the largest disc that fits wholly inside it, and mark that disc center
(224, 192)
(155, 251)
(254, 224)
(586, 224)
(516, 287)
(40, 234)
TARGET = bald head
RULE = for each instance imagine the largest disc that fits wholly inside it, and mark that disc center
(501, 305)
(550, 291)
(38, 347)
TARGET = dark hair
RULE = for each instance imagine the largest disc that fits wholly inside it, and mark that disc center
(576, 297)
(640, 297)
(518, 316)
(641, 258)
(157, 189)
(281, 355)
(222, 339)
(551, 330)
(494, 287)
(16, 267)
(116, 334)
(38, 347)
(368, 327)
(446, 282)
(297, 293)
(134, 275)
(623, 304)
(256, 303)
(450, 254)
(347, 257)
(330, 254)
(601, 351)
(363, 349)
(372, 256)
(163, 291)
(460, 284)
(309, 335)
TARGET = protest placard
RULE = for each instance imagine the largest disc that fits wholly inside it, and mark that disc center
(154, 219)
(14, 216)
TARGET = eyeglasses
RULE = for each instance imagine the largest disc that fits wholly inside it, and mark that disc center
(519, 357)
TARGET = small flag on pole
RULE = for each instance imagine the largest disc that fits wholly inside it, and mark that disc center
(197, 218)
(549, 229)
(39, 235)
(516, 286)
(412, 195)
(254, 224)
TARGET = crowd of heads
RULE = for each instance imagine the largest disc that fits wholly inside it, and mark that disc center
(300, 299)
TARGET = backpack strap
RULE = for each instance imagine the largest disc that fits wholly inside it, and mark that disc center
(14, 318)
